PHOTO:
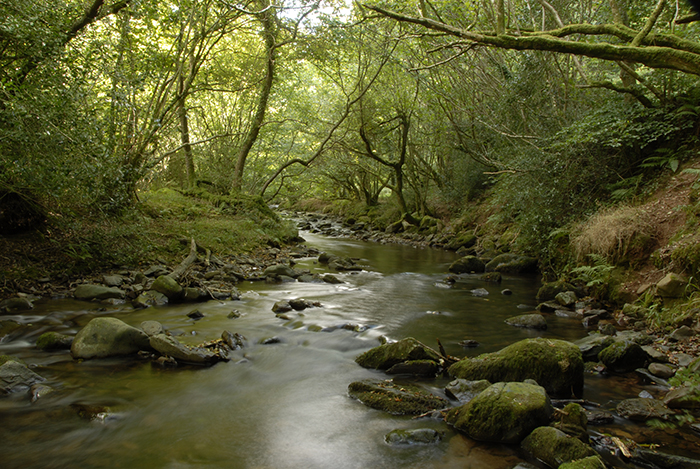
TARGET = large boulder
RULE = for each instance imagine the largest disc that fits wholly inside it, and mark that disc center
(555, 364)
(503, 413)
(387, 355)
(15, 376)
(106, 337)
(623, 356)
(554, 447)
(512, 264)
(466, 265)
(97, 292)
(397, 399)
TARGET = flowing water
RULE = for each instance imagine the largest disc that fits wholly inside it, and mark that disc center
(280, 405)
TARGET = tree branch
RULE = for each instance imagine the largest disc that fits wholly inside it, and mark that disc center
(651, 56)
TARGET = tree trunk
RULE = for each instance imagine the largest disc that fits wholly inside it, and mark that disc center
(267, 18)
(185, 133)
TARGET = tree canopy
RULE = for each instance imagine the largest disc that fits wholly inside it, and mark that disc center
(424, 105)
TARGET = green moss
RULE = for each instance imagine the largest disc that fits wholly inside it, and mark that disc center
(556, 365)
(554, 447)
(7, 358)
(388, 355)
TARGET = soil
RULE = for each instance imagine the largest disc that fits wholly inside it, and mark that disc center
(665, 211)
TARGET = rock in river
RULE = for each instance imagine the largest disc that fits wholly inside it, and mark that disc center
(503, 413)
(106, 337)
(388, 355)
(170, 346)
(53, 341)
(397, 399)
(97, 292)
(642, 409)
(528, 321)
(15, 376)
(555, 364)
(417, 436)
(555, 447)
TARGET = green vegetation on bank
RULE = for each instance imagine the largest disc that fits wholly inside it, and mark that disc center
(125, 128)
(157, 229)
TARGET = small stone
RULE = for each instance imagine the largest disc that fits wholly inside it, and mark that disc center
(682, 333)
(661, 370)
(528, 321)
(281, 306)
(151, 328)
(566, 298)
(196, 315)
(642, 409)
(506, 292)
(419, 436)
(235, 314)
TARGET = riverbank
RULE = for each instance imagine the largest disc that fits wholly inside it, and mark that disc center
(157, 231)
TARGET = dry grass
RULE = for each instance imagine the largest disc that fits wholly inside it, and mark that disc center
(619, 235)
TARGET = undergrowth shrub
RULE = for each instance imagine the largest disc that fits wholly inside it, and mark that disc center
(619, 235)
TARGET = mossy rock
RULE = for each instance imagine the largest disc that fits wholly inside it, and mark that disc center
(54, 341)
(591, 462)
(623, 356)
(7, 358)
(573, 421)
(512, 264)
(466, 265)
(463, 240)
(549, 291)
(503, 413)
(555, 447)
(397, 399)
(388, 355)
(168, 287)
(557, 365)
(7, 327)
(593, 344)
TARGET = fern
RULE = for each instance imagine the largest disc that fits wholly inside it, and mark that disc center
(597, 274)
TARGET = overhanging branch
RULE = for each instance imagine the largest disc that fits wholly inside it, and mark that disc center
(654, 56)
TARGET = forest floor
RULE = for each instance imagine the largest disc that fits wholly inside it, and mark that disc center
(158, 230)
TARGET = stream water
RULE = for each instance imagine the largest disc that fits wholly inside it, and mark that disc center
(281, 405)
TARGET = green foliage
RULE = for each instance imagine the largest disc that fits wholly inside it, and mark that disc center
(597, 274)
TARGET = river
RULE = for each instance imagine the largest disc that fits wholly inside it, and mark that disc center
(279, 405)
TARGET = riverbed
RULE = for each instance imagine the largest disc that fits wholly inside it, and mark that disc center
(284, 403)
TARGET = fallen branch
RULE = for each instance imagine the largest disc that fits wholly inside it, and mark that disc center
(184, 265)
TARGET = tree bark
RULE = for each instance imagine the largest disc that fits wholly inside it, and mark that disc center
(185, 133)
(267, 18)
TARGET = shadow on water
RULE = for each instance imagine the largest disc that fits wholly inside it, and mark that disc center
(283, 405)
